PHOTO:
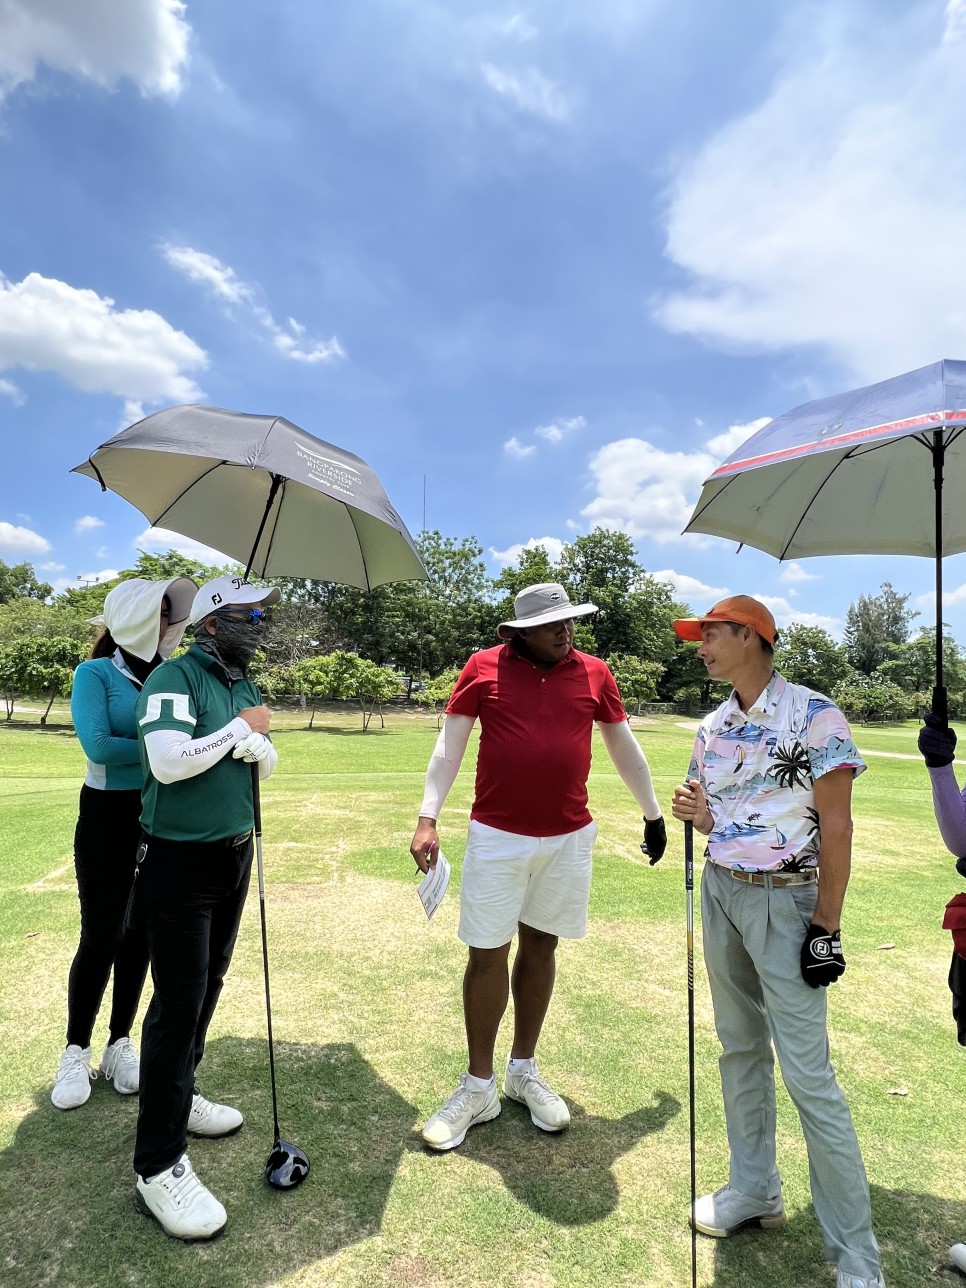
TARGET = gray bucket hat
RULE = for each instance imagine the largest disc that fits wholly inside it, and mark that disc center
(539, 605)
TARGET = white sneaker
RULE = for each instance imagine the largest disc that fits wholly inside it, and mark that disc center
(72, 1086)
(120, 1064)
(209, 1119)
(844, 1280)
(957, 1255)
(727, 1211)
(180, 1204)
(525, 1084)
(465, 1108)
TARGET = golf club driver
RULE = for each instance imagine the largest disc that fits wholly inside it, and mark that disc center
(286, 1166)
(689, 899)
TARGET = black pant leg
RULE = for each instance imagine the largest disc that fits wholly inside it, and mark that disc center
(225, 919)
(105, 846)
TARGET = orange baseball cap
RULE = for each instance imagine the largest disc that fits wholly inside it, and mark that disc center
(738, 608)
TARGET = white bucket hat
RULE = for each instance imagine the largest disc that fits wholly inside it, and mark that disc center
(224, 591)
(539, 605)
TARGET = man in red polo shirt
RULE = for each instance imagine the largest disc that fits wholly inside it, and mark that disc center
(528, 855)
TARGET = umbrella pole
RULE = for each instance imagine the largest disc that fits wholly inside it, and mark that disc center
(276, 484)
(689, 901)
(940, 705)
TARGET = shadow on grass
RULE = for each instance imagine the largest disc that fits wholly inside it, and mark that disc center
(914, 1231)
(565, 1177)
(66, 1182)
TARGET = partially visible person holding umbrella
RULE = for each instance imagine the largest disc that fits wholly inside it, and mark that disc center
(143, 623)
(202, 725)
(937, 742)
(770, 786)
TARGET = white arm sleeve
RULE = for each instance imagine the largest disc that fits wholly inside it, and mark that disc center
(174, 755)
(444, 763)
(631, 763)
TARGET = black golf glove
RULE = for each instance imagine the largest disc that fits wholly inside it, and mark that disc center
(655, 839)
(937, 741)
(822, 958)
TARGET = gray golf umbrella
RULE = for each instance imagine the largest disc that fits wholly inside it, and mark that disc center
(262, 490)
(284, 503)
(857, 473)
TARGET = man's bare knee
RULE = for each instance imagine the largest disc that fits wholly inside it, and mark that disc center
(537, 941)
(483, 961)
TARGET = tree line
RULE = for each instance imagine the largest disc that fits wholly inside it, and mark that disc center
(329, 641)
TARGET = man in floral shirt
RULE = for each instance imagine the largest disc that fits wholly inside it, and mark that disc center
(770, 786)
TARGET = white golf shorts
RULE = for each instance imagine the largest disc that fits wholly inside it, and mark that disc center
(543, 881)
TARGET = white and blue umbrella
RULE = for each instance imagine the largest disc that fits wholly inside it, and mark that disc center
(879, 470)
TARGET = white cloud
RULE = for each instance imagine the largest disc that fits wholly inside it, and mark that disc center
(102, 552)
(46, 325)
(786, 614)
(158, 540)
(831, 214)
(553, 546)
(529, 91)
(928, 600)
(86, 522)
(21, 540)
(132, 413)
(10, 390)
(955, 28)
(690, 589)
(102, 574)
(648, 492)
(794, 572)
(52, 567)
(104, 41)
(226, 286)
(519, 451)
(556, 432)
(572, 527)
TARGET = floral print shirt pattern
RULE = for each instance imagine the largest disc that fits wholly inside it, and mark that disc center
(757, 769)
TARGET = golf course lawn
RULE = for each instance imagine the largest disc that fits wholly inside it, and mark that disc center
(366, 1008)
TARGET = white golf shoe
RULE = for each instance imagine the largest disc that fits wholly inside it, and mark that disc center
(957, 1255)
(465, 1108)
(180, 1204)
(209, 1119)
(844, 1280)
(72, 1086)
(120, 1065)
(727, 1211)
(524, 1084)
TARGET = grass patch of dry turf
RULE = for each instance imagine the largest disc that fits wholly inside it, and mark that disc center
(366, 1004)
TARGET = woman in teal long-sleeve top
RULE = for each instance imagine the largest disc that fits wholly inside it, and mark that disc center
(143, 621)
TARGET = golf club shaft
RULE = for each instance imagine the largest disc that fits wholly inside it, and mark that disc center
(940, 703)
(256, 801)
(689, 899)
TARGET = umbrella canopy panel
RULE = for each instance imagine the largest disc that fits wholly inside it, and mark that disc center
(210, 474)
(851, 474)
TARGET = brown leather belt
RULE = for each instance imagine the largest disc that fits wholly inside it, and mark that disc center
(772, 880)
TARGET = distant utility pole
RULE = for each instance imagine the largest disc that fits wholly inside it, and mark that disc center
(88, 581)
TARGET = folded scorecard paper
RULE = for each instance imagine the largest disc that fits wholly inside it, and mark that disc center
(434, 883)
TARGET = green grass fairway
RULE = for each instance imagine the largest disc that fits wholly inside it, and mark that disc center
(366, 1003)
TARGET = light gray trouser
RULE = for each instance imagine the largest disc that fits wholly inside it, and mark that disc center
(752, 941)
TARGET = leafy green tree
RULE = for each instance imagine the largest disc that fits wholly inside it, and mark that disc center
(912, 664)
(18, 581)
(27, 618)
(312, 677)
(163, 567)
(375, 685)
(437, 692)
(636, 679)
(873, 623)
(870, 697)
(42, 667)
(808, 655)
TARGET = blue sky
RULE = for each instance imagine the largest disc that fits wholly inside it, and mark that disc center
(556, 258)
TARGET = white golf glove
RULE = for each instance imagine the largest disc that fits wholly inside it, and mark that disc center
(255, 747)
